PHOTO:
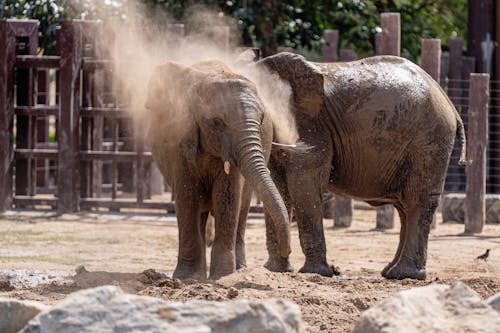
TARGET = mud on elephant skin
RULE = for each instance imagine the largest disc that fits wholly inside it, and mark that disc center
(211, 138)
(382, 131)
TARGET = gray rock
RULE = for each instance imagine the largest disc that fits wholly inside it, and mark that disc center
(453, 208)
(15, 314)
(433, 308)
(494, 301)
(108, 309)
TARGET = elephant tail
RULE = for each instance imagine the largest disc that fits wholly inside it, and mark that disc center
(463, 161)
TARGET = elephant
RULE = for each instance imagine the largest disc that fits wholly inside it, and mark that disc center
(211, 137)
(380, 130)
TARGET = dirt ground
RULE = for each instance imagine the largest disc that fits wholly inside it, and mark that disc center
(115, 248)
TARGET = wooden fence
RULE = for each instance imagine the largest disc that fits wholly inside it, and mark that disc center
(72, 147)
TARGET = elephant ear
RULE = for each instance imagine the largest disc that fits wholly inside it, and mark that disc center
(172, 97)
(305, 79)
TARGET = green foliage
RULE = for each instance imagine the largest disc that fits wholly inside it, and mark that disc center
(271, 23)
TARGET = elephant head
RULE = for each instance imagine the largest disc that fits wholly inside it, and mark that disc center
(305, 79)
(205, 108)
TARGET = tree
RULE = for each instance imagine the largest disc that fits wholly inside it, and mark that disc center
(268, 24)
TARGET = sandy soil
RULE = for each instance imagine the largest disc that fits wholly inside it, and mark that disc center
(138, 253)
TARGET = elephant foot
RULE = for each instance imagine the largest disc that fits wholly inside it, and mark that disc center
(217, 275)
(185, 273)
(318, 268)
(404, 268)
(278, 264)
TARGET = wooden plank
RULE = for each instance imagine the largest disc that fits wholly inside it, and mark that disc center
(117, 204)
(69, 42)
(26, 153)
(7, 60)
(104, 112)
(390, 42)
(118, 156)
(23, 200)
(37, 110)
(475, 208)
(31, 61)
(431, 57)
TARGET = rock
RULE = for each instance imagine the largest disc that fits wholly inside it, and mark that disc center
(494, 301)
(453, 208)
(433, 308)
(15, 314)
(5, 285)
(232, 292)
(108, 309)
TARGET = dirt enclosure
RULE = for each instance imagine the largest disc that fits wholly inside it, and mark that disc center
(132, 251)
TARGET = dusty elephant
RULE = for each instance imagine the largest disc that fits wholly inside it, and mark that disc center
(211, 137)
(380, 130)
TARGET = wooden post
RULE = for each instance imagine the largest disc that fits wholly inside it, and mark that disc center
(7, 61)
(475, 209)
(495, 117)
(69, 43)
(390, 42)
(431, 57)
(342, 212)
(330, 45)
(348, 55)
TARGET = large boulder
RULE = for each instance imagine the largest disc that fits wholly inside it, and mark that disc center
(108, 309)
(453, 208)
(15, 314)
(494, 301)
(433, 308)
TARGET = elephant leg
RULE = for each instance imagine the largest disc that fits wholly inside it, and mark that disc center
(191, 262)
(275, 261)
(241, 261)
(226, 196)
(306, 195)
(403, 219)
(413, 255)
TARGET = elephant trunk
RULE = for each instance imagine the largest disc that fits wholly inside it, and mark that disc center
(253, 168)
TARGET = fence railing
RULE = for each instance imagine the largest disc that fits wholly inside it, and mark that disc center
(71, 146)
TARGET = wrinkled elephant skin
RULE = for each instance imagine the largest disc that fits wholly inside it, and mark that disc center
(382, 131)
(211, 138)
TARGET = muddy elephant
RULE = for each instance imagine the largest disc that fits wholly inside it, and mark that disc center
(379, 130)
(211, 138)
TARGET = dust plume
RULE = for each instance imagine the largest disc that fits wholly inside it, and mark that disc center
(143, 39)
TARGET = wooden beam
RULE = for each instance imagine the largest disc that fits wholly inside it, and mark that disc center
(475, 208)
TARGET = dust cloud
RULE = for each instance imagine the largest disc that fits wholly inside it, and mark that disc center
(142, 39)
